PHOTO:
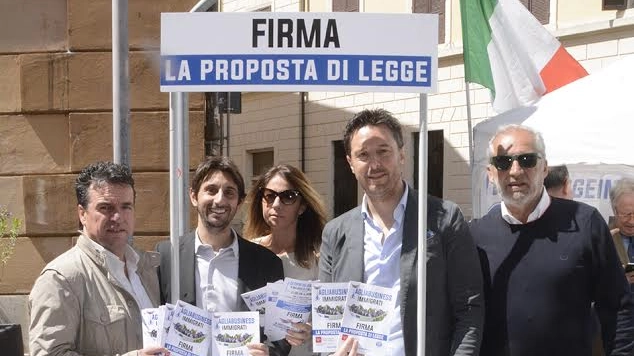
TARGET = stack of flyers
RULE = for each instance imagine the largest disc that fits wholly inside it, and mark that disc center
(190, 330)
(151, 329)
(166, 313)
(273, 291)
(291, 306)
(366, 316)
(329, 300)
(256, 301)
(232, 331)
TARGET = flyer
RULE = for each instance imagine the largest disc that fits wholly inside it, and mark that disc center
(328, 303)
(166, 313)
(273, 291)
(292, 306)
(232, 331)
(256, 301)
(366, 316)
(150, 327)
(189, 334)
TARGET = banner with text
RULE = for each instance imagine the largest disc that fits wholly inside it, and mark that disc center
(269, 51)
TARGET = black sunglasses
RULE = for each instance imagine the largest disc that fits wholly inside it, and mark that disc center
(287, 197)
(504, 163)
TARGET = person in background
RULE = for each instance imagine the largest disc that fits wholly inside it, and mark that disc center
(622, 201)
(377, 243)
(88, 300)
(557, 182)
(286, 215)
(217, 264)
(545, 261)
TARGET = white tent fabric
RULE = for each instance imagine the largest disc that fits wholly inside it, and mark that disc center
(587, 125)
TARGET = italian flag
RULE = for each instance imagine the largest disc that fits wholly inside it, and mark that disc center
(508, 51)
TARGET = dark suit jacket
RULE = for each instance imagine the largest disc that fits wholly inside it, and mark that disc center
(455, 310)
(256, 266)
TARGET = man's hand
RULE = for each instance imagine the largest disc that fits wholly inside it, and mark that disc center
(258, 349)
(348, 348)
(630, 277)
(152, 351)
(299, 333)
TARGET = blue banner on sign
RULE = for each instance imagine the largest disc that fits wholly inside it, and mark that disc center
(331, 70)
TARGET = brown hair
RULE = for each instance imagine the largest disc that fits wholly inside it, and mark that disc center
(309, 224)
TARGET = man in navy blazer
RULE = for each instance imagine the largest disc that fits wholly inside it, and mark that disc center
(377, 243)
(217, 264)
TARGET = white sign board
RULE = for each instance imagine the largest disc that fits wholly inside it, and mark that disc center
(269, 51)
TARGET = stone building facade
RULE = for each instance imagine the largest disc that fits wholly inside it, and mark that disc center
(56, 113)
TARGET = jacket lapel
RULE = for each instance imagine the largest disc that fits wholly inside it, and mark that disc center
(353, 248)
(187, 261)
(409, 249)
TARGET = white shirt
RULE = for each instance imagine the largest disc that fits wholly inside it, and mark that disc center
(132, 283)
(537, 213)
(383, 264)
(217, 276)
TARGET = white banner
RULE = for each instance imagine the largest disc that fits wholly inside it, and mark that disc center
(268, 51)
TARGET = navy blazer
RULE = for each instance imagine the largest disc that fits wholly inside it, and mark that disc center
(455, 310)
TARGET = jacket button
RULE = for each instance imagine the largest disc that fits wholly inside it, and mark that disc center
(130, 303)
(104, 318)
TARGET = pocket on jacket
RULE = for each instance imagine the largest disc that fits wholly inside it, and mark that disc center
(105, 329)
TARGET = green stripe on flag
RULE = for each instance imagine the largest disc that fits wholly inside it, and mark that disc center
(476, 36)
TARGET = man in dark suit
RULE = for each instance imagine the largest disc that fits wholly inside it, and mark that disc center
(217, 264)
(376, 243)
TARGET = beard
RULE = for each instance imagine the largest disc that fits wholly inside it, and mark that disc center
(214, 221)
(519, 199)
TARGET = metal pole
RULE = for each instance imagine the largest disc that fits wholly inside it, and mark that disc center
(176, 197)
(422, 228)
(228, 107)
(184, 206)
(120, 83)
(475, 198)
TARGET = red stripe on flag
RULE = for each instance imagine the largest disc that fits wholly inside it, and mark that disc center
(561, 70)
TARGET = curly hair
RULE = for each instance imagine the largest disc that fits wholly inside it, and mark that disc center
(101, 173)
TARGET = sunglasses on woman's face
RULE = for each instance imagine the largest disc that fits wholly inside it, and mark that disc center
(504, 163)
(287, 197)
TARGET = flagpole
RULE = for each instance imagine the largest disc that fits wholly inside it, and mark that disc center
(475, 206)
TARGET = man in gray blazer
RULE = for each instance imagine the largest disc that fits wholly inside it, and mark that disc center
(377, 243)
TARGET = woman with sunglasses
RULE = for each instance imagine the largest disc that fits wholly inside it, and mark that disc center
(286, 215)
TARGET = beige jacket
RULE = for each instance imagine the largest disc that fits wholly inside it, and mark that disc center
(620, 249)
(78, 309)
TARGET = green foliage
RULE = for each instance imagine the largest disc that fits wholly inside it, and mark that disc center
(9, 228)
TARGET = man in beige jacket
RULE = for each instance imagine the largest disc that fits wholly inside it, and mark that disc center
(88, 300)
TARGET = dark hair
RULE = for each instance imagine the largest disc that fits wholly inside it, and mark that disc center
(215, 164)
(309, 224)
(372, 117)
(98, 174)
(557, 177)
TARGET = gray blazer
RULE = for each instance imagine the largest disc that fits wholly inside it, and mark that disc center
(455, 310)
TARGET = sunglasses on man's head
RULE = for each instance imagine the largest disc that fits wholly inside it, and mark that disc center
(287, 197)
(504, 163)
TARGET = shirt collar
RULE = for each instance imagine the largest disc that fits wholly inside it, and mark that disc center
(112, 260)
(231, 248)
(540, 209)
(399, 211)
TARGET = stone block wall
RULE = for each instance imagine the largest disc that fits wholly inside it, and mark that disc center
(56, 117)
